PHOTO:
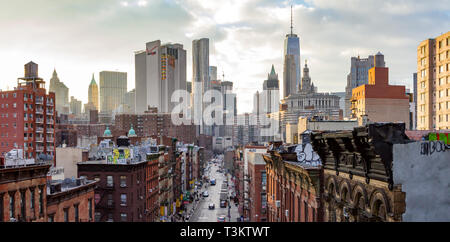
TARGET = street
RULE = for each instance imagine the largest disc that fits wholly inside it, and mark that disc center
(202, 213)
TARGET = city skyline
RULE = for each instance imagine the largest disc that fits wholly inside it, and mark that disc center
(103, 35)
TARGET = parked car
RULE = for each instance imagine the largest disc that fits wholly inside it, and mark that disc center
(212, 206)
(205, 194)
(221, 218)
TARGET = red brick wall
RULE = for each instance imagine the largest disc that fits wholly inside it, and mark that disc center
(57, 204)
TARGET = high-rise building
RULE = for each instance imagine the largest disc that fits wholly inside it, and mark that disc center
(433, 83)
(229, 108)
(200, 80)
(359, 75)
(378, 101)
(414, 125)
(129, 101)
(213, 73)
(160, 70)
(113, 86)
(292, 71)
(271, 92)
(93, 93)
(28, 117)
(61, 94)
(75, 106)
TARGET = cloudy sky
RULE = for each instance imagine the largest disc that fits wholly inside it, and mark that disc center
(82, 37)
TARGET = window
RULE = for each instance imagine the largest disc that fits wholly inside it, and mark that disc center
(32, 200)
(423, 73)
(306, 211)
(41, 201)
(77, 216)
(51, 217)
(110, 200)
(123, 199)
(123, 217)
(109, 181)
(11, 205)
(110, 217)
(22, 206)
(98, 215)
(66, 215)
(90, 208)
(123, 181)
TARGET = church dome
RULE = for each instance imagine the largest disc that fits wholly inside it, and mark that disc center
(131, 132)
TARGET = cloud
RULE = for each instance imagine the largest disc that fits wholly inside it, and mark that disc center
(246, 37)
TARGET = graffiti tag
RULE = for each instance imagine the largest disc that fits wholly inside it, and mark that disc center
(431, 147)
(306, 154)
(439, 137)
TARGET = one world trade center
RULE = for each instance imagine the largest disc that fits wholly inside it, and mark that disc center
(292, 71)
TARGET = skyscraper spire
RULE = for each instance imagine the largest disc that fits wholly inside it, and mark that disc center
(291, 20)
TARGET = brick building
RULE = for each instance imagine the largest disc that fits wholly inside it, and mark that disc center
(66, 135)
(152, 189)
(294, 188)
(71, 200)
(121, 193)
(257, 188)
(28, 117)
(26, 195)
(151, 124)
(238, 178)
(24, 199)
(378, 101)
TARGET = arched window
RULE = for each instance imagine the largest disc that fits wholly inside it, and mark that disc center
(360, 204)
(332, 206)
(379, 211)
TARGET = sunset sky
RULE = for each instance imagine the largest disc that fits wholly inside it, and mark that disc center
(82, 37)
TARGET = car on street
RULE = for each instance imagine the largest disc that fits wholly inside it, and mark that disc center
(212, 206)
(205, 194)
(221, 218)
(223, 204)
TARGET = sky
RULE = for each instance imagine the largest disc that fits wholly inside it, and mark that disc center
(83, 37)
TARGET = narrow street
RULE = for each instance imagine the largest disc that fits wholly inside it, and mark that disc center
(202, 212)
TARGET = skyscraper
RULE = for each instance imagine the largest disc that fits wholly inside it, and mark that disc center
(271, 92)
(292, 72)
(61, 94)
(160, 70)
(200, 80)
(75, 106)
(113, 86)
(433, 83)
(93, 93)
(358, 76)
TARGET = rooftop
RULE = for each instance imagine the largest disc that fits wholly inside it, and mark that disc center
(60, 186)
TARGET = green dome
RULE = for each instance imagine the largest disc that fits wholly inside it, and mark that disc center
(107, 132)
(131, 132)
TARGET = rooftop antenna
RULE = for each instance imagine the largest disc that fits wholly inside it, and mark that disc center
(291, 20)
